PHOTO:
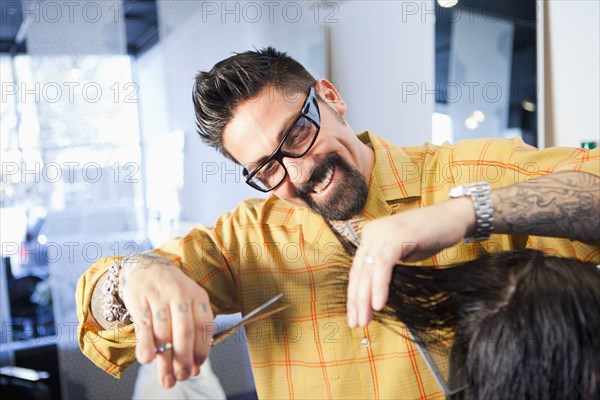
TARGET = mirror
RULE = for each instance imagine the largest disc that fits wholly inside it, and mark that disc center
(486, 70)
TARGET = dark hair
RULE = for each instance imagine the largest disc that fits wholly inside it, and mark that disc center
(218, 92)
(525, 325)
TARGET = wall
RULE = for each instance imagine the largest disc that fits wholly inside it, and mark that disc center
(573, 62)
(373, 50)
(379, 52)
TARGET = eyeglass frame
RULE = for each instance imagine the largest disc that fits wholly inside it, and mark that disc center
(279, 154)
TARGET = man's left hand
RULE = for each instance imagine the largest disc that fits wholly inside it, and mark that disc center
(409, 236)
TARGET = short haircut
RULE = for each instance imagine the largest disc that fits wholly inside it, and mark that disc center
(526, 325)
(231, 82)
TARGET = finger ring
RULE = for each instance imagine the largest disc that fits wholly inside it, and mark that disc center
(164, 347)
(369, 260)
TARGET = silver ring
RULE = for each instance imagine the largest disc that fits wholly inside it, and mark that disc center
(164, 347)
(369, 260)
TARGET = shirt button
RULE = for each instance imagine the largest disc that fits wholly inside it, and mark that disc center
(365, 342)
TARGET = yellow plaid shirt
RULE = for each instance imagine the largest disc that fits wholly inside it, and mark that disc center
(266, 247)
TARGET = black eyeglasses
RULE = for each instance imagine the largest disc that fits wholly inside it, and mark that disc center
(296, 142)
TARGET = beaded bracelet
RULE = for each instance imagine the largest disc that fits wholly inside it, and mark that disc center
(114, 309)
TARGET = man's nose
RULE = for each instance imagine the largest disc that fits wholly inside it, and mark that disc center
(299, 169)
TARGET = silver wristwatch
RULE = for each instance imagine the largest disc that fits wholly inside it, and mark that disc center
(484, 210)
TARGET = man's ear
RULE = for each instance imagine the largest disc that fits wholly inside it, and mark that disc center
(330, 95)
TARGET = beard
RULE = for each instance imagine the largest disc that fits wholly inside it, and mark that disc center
(349, 197)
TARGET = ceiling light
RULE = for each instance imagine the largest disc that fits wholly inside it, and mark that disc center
(478, 115)
(447, 3)
(528, 106)
(471, 123)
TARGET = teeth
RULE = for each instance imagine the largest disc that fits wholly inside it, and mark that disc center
(323, 184)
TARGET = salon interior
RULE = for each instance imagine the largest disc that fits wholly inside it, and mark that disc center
(100, 154)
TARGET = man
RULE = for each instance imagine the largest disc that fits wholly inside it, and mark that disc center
(328, 185)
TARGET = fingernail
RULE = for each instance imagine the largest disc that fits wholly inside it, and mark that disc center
(351, 321)
(362, 320)
(183, 374)
(195, 370)
(144, 357)
(377, 302)
(168, 381)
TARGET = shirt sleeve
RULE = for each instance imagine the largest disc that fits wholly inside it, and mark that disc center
(208, 255)
(503, 162)
(529, 161)
(113, 350)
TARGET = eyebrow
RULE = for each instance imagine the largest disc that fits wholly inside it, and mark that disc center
(282, 131)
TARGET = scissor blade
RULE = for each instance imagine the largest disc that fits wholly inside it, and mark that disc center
(261, 307)
(252, 316)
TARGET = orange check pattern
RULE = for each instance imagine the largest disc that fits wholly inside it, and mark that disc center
(266, 247)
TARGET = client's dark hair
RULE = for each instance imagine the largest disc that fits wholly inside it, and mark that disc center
(218, 92)
(526, 325)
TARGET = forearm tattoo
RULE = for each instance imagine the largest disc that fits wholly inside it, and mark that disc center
(564, 204)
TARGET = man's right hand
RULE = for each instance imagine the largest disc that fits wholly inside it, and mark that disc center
(168, 307)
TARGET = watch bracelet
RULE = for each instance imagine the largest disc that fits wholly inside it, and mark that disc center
(484, 210)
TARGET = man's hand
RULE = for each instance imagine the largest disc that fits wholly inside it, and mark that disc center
(168, 307)
(409, 236)
(563, 204)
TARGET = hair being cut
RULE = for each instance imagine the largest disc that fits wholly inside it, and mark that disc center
(525, 325)
(239, 78)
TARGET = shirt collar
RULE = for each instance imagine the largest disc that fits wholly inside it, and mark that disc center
(395, 177)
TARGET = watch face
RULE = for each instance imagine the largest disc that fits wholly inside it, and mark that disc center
(456, 192)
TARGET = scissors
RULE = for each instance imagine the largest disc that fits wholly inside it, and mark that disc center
(255, 315)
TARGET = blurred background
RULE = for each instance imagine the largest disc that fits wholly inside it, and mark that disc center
(100, 155)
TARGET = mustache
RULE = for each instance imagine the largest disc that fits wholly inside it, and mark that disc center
(318, 173)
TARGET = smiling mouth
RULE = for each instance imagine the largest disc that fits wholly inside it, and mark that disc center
(324, 183)
(336, 190)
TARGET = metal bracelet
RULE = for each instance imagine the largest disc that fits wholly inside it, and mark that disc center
(479, 193)
(113, 308)
(484, 210)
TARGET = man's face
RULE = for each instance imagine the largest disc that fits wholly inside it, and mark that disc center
(332, 177)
